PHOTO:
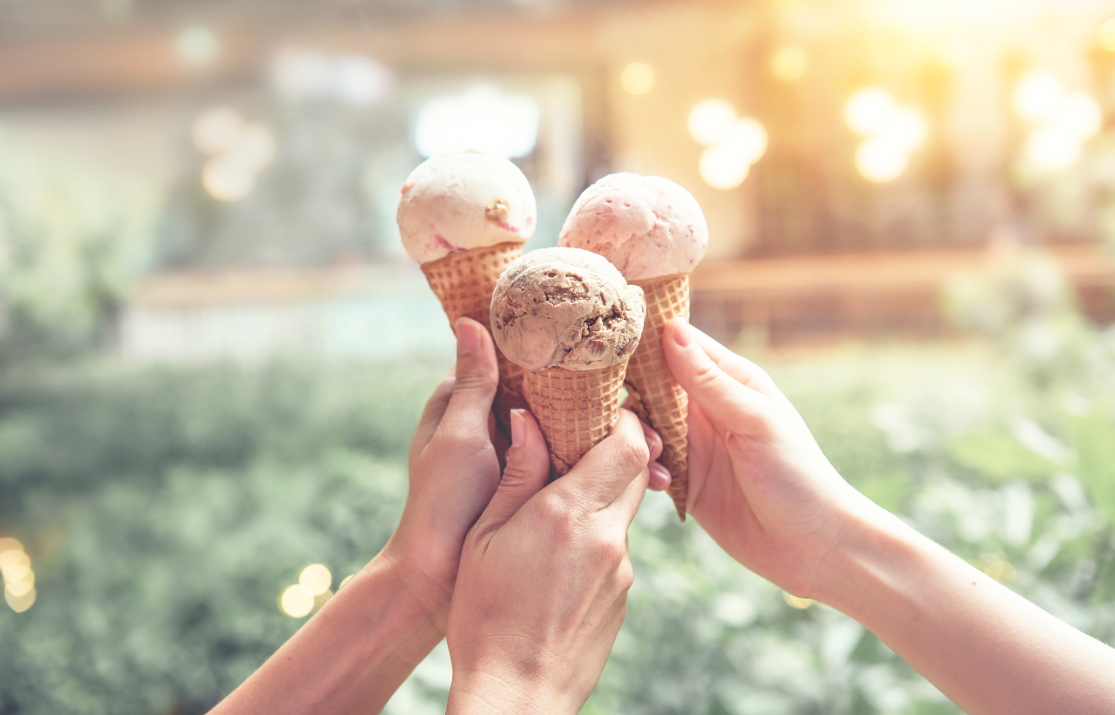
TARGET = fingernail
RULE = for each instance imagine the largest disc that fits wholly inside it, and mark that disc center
(518, 428)
(684, 335)
(468, 337)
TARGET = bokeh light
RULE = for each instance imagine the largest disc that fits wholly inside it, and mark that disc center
(637, 78)
(345, 580)
(1037, 95)
(1106, 35)
(255, 146)
(869, 110)
(795, 602)
(789, 63)
(907, 128)
(480, 119)
(722, 169)
(197, 46)
(216, 130)
(1078, 114)
(880, 159)
(9, 544)
(315, 579)
(711, 120)
(228, 178)
(1051, 148)
(296, 601)
(19, 579)
(19, 587)
(19, 604)
(739, 144)
(15, 565)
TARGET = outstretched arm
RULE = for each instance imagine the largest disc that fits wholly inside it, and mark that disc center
(355, 652)
(761, 487)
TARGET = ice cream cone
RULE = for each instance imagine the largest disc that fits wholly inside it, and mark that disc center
(463, 282)
(574, 408)
(657, 398)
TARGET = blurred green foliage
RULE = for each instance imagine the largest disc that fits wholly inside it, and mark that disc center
(71, 239)
(165, 511)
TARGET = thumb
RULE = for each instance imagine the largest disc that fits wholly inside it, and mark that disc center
(528, 468)
(721, 396)
(474, 387)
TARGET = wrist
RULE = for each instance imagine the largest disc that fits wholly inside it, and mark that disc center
(428, 577)
(867, 560)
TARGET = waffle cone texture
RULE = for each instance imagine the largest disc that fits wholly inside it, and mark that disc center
(464, 282)
(575, 409)
(656, 397)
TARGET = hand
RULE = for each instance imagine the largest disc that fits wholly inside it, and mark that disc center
(542, 588)
(758, 482)
(454, 470)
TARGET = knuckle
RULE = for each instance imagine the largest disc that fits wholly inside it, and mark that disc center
(632, 455)
(625, 574)
(609, 553)
(706, 374)
(556, 512)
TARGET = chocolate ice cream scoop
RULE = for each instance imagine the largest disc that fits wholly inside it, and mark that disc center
(568, 308)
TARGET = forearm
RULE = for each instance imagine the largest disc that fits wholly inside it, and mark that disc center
(350, 657)
(985, 647)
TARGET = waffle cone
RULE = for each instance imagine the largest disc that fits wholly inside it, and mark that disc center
(656, 397)
(574, 408)
(464, 282)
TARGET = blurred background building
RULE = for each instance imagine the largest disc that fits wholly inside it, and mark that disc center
(849, 156)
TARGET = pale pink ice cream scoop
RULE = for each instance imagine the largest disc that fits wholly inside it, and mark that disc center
(460, 200)
(568, 308)
(646, 226)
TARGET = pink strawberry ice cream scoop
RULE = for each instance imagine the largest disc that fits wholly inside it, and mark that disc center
(646, 226)
(457, 201)
(568, 308)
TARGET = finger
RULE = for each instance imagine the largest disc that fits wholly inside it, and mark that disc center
(654, 441)
(605, 472)
(742, 369)
(720, 395)
(528, 468)
(475, 384)
(660, 478)
(432, 413)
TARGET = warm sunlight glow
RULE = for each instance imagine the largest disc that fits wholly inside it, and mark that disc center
(879, 159)
(869, 110)
(789, 64)
(1037, 95)
(637, 78)
(711, 120)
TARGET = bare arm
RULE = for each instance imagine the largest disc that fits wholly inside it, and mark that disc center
(761, 487)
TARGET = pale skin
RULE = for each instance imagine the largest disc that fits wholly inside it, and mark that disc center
(760, 486)
(528, 581)
(518, 539)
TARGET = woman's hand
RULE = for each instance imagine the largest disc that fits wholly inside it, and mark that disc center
(542, 588)
(454, 470)
(758, 482)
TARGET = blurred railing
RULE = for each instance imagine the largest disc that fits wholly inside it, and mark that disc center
(865, 296)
